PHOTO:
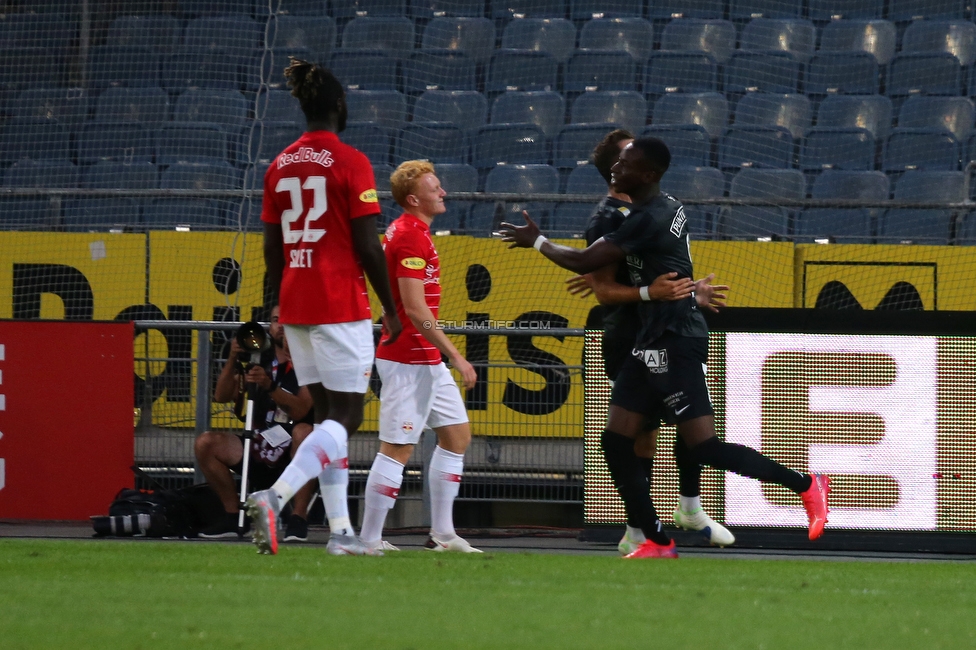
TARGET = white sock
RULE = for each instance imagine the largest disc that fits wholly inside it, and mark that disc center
(320, 448)
(334, 486)
(689, 504)
(446, 469)
(636, 534)
(382, 488)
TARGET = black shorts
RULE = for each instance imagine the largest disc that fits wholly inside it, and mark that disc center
(266, 464)
(665, 381)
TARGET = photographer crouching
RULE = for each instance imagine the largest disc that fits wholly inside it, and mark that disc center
(283, 417)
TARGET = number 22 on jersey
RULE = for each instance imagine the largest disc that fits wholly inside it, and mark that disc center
(294, 228)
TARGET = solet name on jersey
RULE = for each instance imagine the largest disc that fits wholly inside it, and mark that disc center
(306, 154)
(301, 258)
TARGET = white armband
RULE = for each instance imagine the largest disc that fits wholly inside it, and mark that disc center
(538, 242)
(645, 293)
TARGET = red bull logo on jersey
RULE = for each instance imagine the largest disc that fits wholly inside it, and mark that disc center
(306, 154)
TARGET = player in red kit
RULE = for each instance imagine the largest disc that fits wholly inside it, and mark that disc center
(418, 389)
(319, 217)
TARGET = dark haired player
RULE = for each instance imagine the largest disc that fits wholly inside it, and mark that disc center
(667, 364)
(621, 324)
(319, 216)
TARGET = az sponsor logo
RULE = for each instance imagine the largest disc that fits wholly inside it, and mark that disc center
(655, 360)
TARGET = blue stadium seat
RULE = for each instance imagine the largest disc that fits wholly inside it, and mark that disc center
(435, 141)
(601, 70)
(574, 143)
(956, 37)
(837, 148)
(690, 183)
(554, 36)
(667, 9)
(854, 73)
(623, 107)
(585, 179)
(122, 104)
(31, 67)
(195, 213)
(66, 105)
(41, 173)
(266, 68)
(714, 37)
(254, 179)
(280, 106)
(761, 221)
(107, 174)
(746, 9)
(227, 108)
(922, 149)
(229, 34)
(770, 109)
(635, 36)
(876, 37)
(689, 144)
(707, 110)
(521, 70)
(27, 214)
(596, 9)
(194, 8)
(394, 36)
(509, 143)
(769, 72)
(373, 139)
(84, 214)
(795, 37)
(955, 114)
(317, 34)
(871, 112)
(928, 74)
(527, 8)
(966, 230)
(388, 108)
(905, 10)
(122, 66)
(485, 218)
(190, 142)
(34, 138)
(544, 108)
(922, 225)
(523, 179)
(825, 10)
(434, 8)
(201, 69)
(686, 72)
(475, 37)
(371, 8)
(465, 109)
(364, 69)
(261, 142)
(200, 176)
(843, 225)
(570, 219)
(128, 142)
(756, 146)
(28, 29)
(296, 7)
(382, 173)
(970, 150)
(438, 70)
(159, 33)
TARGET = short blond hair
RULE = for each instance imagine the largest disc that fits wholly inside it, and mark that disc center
(404, 179)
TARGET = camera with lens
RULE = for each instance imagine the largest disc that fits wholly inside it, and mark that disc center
(255, 344)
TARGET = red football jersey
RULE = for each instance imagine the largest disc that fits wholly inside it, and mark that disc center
(314, 188)
(410, 253)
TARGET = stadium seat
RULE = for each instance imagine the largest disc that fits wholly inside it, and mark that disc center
(279, 105)
(668, 9)
(296, 7)
(876, 37)
(475, 37)
(41, 173)
(148, 105)
(626, 108)
(438, 70)
(635, 36)
(374, 140)
(689, 144)
(955, 114)
(854, 73)
(554, 36)
(970, 152)
(690, 183)
(485, 218)
(795, 37)
(387, 108)
(84, 214)
(434, 141)
(195, 8)
(265, 69)
(33, 138)
(201, 69)
(686, 72)
(433, 8)
(200, 176)
(747, 9)
(927, 74)
(195, 213)
(227, 108)
(769, 72)
(27, 214)
(714, 37)
(254, 178)
(31, 67)
(922, 225)
(921, 149)
(527, 8)
(465, 109)
(770, 109)
(955, 37)
(193, 142)
(837, 148)
(159, 33)
(569, 219)
(905, 10)
(826, 10)
(122, 66)
(393, 36)
(107, 174)
(355, 8)
(364, 69)
(600, 70)
(521, 70)
(129, 142)
(68, 106)
(544, 108)
(761, 221)
(585, 179)
(523, 179)
(261, 142)
(966, 230)
(509, 143)
(707, 110)
(228, 34)
(755, 146)
(317, 34)
(574, 143)
(597, 9)
(871, 112)
(843, 225)
(29, 28)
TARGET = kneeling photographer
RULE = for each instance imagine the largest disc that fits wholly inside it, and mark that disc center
(283, 417)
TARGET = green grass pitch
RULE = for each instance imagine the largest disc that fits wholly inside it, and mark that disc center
(111, 594)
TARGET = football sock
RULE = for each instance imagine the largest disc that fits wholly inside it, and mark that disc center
(321, 447)
(689, 504)
(748, 462)
(631, 483)
(689, 469)
(647, 465)
(444, 481)
(334, 486)
(382, 488)
(636, 534)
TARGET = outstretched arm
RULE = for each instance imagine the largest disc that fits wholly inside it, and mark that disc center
(608, 291)
(596, 256)
(708, 295)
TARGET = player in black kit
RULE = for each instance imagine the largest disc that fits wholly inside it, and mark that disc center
(667, 364)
